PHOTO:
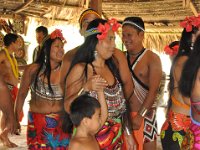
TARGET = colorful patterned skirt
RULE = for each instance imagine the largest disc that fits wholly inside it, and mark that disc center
(174, 130)
(44, 132)
(109, 136)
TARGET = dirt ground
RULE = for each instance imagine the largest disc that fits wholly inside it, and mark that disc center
(20, 140)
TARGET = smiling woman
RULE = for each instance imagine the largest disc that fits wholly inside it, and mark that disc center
(42, 77)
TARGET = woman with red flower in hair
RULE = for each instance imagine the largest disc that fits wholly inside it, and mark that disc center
(178, 119)
(172, 49)
(93, 61)
(44, 130)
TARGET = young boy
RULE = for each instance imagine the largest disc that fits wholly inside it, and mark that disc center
(88, 115)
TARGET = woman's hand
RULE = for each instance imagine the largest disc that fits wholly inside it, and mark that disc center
(137, 122)
(130, 143)
(95, 83)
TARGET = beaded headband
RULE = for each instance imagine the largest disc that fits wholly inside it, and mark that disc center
(90, 11)
(134, 24)
(91, 32)
(103, 29)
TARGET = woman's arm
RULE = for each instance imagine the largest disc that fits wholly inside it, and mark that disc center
(76, 83)
(104, 107)
(23, 90)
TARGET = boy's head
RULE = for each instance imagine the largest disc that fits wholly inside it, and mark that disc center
(85, 110)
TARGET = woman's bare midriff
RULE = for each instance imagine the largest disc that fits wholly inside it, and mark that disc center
(45, 106)
(179, 109)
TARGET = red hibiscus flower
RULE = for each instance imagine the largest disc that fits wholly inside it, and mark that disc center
(57, 33)
(104, 30)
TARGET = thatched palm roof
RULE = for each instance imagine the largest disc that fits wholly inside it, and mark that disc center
(161, 17)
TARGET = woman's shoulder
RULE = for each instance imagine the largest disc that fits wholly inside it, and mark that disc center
(80, 67)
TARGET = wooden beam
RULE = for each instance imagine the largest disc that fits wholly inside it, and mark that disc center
(50, 4)
(40, 17)
(24, 6)
(194, 10)
(190, 4)
(96, 5)
(184, 3)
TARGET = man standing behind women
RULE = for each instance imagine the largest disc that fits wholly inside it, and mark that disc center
(146, 70)
(94, 60)
(10, 74)
(189, 86)
(44, 116)
(41, 34)
(85, 18)
(178, 118)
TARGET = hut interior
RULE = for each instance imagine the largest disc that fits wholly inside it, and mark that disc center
(161, 17)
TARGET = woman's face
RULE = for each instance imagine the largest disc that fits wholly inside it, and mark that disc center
(106, 47)
(57, 50)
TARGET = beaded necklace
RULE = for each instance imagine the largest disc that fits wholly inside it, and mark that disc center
(13, 63)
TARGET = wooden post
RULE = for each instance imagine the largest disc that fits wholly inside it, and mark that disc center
(96, 5)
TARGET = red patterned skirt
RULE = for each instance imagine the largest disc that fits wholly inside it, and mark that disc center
(44, 132)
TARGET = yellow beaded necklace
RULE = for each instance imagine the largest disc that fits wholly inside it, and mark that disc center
(13, 63)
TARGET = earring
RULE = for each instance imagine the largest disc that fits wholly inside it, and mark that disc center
(45, 59)
(95, 54)
(192, 46)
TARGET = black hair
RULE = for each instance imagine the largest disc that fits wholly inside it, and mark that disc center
(42, 29)
(174, 43)
(190, 70)
(85, 53)
(136, 20)
(44, 62)
(82, 107)
(184, 50)
(9, 38)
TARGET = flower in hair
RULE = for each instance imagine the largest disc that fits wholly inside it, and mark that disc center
(103, 29)
(115, 25)
(171, 51)
(57, 33)
(190, 22)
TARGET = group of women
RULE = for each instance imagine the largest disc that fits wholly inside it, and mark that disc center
(48, 119)
(97, 56)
